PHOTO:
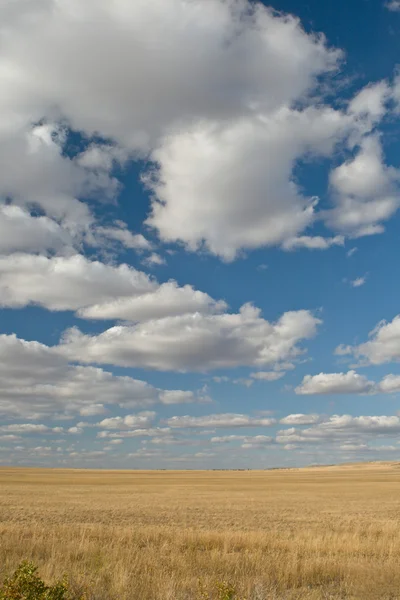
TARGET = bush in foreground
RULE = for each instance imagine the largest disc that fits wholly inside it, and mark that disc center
(25, 584)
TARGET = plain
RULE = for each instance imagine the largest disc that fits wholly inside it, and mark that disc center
(317, 533)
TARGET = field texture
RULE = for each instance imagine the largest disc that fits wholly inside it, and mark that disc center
(332, 532)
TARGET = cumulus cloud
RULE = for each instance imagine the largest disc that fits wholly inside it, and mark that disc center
(335, 383)
(300, 419)
(196, 342)
(224, 86)
(262, 58)
(154, 259)
(133, 433)
(257, 441)
(174, 104)
(223, 439)
(141, 420)
(20, 231)
(220, 420)
(119, 233)
(382, 347)
(36, 382)
(313, 242)
(342, 428)
(213, 185)
(346, 383)
(167, 300)
(94, 289)
(365, 190)
(66, 283)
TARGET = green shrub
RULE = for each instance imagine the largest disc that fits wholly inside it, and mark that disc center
(25, 584)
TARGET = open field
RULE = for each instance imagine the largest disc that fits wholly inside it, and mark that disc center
(330, 532)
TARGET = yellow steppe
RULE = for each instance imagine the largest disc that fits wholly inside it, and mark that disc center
(317, 533)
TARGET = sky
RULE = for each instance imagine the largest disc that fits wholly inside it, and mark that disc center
(199, 225)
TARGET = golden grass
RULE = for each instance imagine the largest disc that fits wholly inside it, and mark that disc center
(323, 533)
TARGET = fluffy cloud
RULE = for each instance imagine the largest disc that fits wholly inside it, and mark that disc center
(36, 382)
(217, 61)
(335, 383)
(300, 419)
(224, 86)
(66, 283)
(19, 231)
(133, 433)
(94, 289)
(365, 190)
(382, 347)
(141, 420)
(340, 428)
(196, 342)
(167, 300)
(313, 242)
(390, 383)
(257, 441)
(226, 438)
(220, 420)
(345, 383)
(214, 186)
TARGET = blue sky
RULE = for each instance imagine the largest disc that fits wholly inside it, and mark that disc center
(198, 233)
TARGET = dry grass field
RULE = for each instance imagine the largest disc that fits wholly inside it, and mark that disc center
(318, 533)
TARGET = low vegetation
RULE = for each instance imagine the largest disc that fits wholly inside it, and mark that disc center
(312, 534)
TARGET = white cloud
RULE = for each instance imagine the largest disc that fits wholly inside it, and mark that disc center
(167, 300)
(359, 281)
(92, 410)
(393, 5)
(66, 283)
(154, 260)
(313, 242)
(95, 290)
(342, 428)
(133, 433)
(382, 347)
(19, 231)
(177, 397)
(226, 439)
(196, 342)
(214, 96)
(257, 441)
(352, 251)
(267, 375)
(122, 235)
(75, 430)
(213, 184)
(220, 420)
(365, 190)
(300, 419)
(371, 102)
(390, 383)
(218, 61)
(25, 428)
(35, 381)
(141, 420)
(335, 383)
